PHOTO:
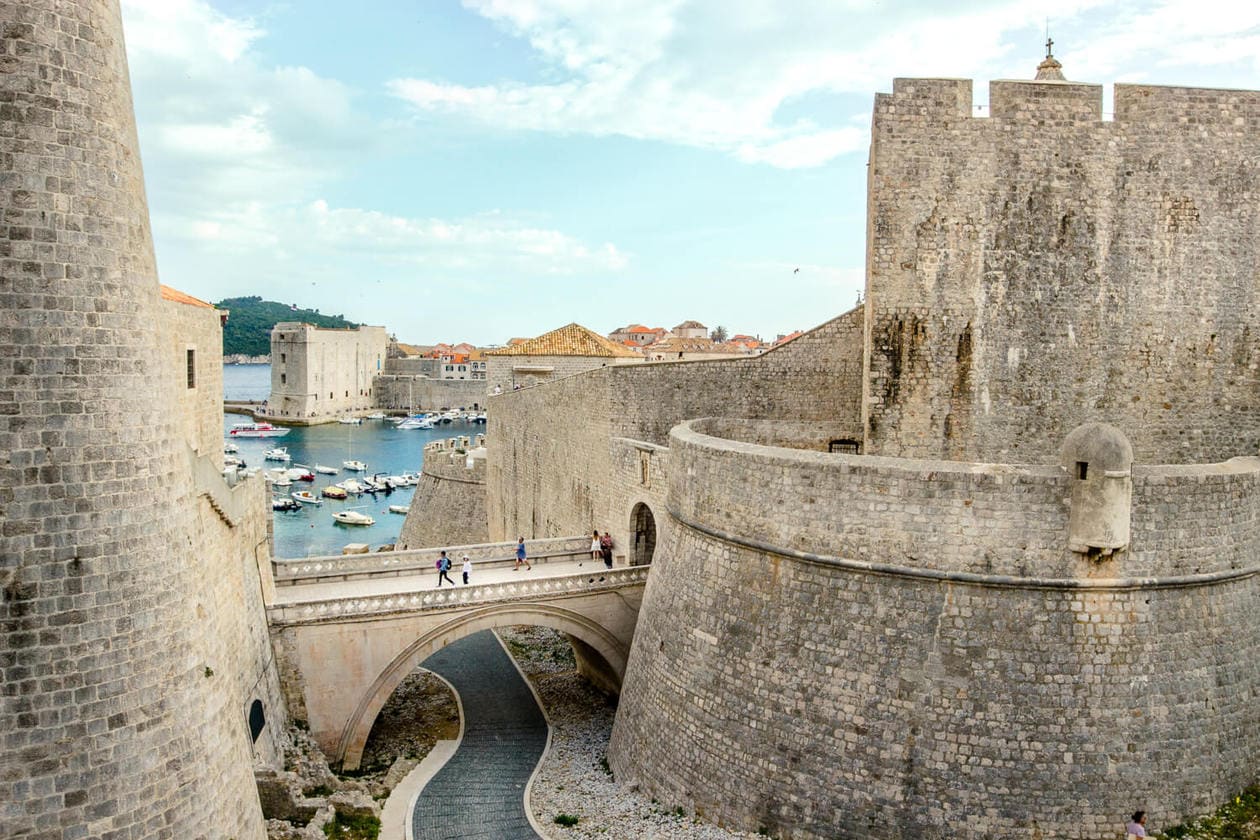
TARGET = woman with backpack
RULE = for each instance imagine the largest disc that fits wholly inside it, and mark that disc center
(443, 566)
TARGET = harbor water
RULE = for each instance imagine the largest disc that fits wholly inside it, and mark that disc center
(385, 449)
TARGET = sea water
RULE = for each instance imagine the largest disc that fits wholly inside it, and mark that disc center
(245, 383)
(312, 530)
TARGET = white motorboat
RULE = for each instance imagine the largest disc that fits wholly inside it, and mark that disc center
(411, 478)
(300, 473)
(281, 503)
(353, 517)
(400, 508)
(280, 453)
(306, 497)
(257, 430)
(376, 415)
(230, 449)
(351, 421)
(279, 478)
(354, 466)
(231, 461)
(322, 470)
(351, 486)
(397, 481)
(415, 423)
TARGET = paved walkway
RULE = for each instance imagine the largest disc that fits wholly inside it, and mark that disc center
(427, 579)
(480, 792)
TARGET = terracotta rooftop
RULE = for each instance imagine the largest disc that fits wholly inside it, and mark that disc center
(411, 349)
(569, 340)
(691, 325)
(180, 297)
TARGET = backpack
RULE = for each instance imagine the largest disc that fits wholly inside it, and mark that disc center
(442, 564)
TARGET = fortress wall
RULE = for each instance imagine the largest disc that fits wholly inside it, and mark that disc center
(503, 370)
(817, 376)
(1041, 268)
(550, 466)
(547, 458)
(449, 505)
(995, 519)
(812, 696)
(424, 394)
(110, 727)
(198, 410)
(322, 373)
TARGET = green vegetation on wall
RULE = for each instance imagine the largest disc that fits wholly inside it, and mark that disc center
(248, 329)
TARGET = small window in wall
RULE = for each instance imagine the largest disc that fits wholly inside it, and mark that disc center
(1082, 469)
(281, 358)
(846, 446)
(347, 393)
(257, 720)
(192, 368)
(330, 396)
(282, 379)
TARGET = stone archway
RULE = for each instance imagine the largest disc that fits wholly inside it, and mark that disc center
(596, 643)
(643, 533)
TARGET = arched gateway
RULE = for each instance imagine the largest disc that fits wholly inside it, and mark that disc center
(643, 529)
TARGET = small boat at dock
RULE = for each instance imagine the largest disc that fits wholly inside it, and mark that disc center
(353, 517)
(376, 415)
(280, 453)
(306, 497)
(354, 466)
(257, 430)
(332, 491)
(350, 421)
(400, 508)
(322, 470)
(280, 503)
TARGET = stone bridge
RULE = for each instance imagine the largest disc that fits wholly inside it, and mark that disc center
(348, 629)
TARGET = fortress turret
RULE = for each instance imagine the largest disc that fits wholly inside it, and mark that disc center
(106, 712)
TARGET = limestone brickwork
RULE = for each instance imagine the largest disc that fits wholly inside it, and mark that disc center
(913, 651)
(554, 355)
(1043, 267)
(405, 392)
(320, 374)
(190, 326)
(123, 671)
(449, 505)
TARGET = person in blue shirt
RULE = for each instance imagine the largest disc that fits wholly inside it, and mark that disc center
(520, 555)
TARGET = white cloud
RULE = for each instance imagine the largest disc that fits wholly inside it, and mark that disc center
(717, 75)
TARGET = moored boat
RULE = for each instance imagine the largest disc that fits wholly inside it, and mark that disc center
(350, 421)
(351, 486)
(284, 504)
(400, 508)
(230, 449)
(322, 470)
(300, 473)
(306, 497)
(376, 415)
(354, 466)
(280, 453)
(258, 430)
(332, 491)
(353, 517)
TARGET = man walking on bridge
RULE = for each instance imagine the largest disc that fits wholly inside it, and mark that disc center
(443, 566)
(520, 555)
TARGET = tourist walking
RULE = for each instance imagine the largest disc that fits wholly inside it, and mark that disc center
(520, 555)
(444, 566)
(1137, 826)
(467, 569)
(605, 549)
(597, 550)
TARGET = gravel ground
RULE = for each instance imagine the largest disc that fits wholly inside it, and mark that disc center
(574, 779)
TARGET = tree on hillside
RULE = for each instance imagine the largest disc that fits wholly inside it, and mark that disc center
(248, 330)
(718, 335)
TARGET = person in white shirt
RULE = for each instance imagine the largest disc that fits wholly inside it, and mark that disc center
(1136, 827)
(467, 569)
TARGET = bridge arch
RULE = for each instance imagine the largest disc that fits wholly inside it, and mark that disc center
(359, 726)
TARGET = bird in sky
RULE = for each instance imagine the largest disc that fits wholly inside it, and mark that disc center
(796, 271)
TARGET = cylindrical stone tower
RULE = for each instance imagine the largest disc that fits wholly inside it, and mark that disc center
(103, 716)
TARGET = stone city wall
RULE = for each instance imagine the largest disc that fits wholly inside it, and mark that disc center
(507, 372)
(831, 680)
(449, 505)
(550, 468)
(320, 374)
(199, 409)
(1009, 256)
(420, 393)
(111, 725)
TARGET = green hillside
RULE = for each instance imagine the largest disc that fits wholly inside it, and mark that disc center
(248, 329)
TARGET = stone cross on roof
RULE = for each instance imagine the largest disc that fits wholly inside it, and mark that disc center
(1050, 70)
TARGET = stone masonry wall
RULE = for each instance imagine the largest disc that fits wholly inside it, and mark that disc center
(198, 410)
(449, 505)
(323, 373)
(1041, 268)
(550, 465)
(423, 394)
(501, 370)
(108, 724)
(814, 693)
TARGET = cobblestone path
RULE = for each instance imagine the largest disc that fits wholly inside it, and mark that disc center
(480, 792)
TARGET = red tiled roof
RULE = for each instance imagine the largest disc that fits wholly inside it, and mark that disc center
(180, 297)
(569, 340)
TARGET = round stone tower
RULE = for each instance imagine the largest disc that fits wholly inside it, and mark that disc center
(104, 720)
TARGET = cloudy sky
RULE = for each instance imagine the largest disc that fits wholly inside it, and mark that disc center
(482, 169)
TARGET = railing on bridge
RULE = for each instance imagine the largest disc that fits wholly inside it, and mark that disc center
(525, 589)
(420, 560)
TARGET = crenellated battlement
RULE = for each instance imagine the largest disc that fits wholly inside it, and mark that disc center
(1159, 105)
(1064, 103)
